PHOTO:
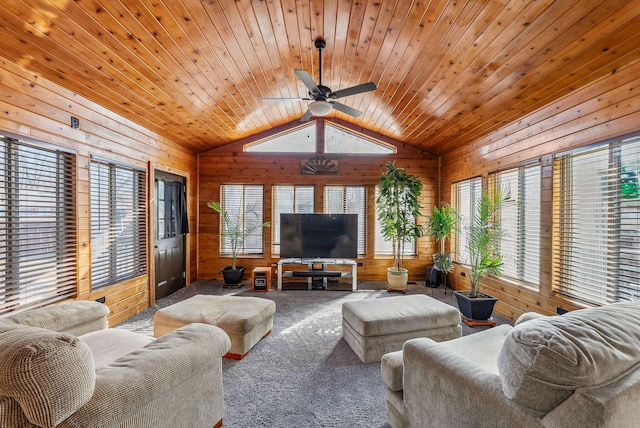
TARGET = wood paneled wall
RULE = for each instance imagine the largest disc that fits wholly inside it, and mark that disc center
(35, 108)
(230, 165)
(605, 109)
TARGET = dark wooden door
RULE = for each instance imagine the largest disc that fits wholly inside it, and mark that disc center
(171, 230)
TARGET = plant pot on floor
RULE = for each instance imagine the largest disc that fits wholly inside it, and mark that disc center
(232, 276)
(475, 309)
(397, 279)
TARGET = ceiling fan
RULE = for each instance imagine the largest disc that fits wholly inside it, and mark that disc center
(323, 98)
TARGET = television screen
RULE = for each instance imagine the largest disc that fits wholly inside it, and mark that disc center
(319, 235)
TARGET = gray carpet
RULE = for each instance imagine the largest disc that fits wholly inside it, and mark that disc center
(303, 374)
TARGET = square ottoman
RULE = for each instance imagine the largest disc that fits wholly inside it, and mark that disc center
(375, 327)
(245, 319)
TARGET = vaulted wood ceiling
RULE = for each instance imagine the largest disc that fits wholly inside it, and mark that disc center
(195, 71)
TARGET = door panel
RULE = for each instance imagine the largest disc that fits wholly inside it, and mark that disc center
(171, 229)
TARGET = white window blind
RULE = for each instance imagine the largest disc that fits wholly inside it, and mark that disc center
(118, 222)
(244, 204)
(349, 200)
(288, 199)
(38, 243)
(597, 223)
(520, 219)
(384, 247)
(464, 199)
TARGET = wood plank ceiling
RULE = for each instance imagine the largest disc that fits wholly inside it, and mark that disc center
(195, 71)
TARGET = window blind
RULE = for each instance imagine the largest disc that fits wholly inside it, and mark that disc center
(38, 242)
(118, 223)
(244, 204)
(464, 199)
(597, 223)
(288, 199)
(384, 247)
(349, 200)
(520, 219)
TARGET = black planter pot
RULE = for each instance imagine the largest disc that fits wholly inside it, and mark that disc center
(479, 308)
(231, 276)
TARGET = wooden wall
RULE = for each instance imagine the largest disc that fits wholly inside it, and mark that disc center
(230, 165)
(607, 108)
(35, 108)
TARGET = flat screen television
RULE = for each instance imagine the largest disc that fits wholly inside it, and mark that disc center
(311, 236)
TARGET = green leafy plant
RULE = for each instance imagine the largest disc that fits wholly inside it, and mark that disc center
(484, 237)
(237, 226)
(398, 208)
(440, 224)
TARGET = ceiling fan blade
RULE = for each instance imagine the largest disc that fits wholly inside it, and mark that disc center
(307, 80)
(285, 99)
(346, 109)
(358, 89)
(306, 116)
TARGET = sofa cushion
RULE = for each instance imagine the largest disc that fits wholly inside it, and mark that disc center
(111, 344)
(544, 360)
(51, 375)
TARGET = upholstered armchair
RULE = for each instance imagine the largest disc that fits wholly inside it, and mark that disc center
(61, 367)
(580, 369)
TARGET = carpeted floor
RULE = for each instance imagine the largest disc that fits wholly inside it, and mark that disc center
(303, 374)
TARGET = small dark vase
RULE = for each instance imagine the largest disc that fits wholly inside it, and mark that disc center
(479, 308)
(232, 276)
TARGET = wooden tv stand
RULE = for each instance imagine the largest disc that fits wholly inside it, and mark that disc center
(323, 273)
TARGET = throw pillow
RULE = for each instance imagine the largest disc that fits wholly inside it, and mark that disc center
(544, 360)
(51, 375)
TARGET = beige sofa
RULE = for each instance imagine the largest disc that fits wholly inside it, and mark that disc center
(61, 367)
(580, 369)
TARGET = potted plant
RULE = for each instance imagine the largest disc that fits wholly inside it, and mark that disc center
(483, 240)
(398, 207)
(440, 224)
(237, 226)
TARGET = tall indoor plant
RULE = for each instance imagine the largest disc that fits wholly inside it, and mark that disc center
(440, 224)
(398, 207)
(484, 259)
(237, 226)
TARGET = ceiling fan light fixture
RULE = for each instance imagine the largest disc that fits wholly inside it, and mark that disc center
(320, 108)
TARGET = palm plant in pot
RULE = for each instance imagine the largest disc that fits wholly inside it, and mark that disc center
(237, 226)
(398, 207)
(440, 224)
(483, 241)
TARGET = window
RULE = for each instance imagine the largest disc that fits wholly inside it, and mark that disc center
(384, 247)
(343, 140)
(299, 140)
(118, 223)
(349, 200)
(464, 199)
(244, 203)
(289, 199)
(597, 223)
(520, 218)
(38, 243)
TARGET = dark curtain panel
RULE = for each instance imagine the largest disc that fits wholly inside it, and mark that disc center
(175, 209)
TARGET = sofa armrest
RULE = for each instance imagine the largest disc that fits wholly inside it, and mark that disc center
(391, 369)
(75, 317)
(175, 375)
(449, 389)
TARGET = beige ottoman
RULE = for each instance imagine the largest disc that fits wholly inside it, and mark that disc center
(245, 319)
(377, 326)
